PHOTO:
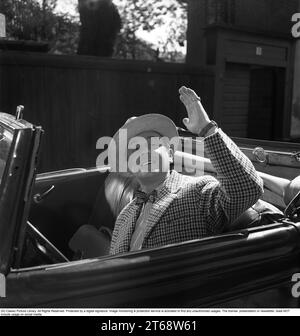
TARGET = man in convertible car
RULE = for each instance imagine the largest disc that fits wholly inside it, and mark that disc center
(170, 207)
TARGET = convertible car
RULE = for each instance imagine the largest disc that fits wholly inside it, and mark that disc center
(48, 261)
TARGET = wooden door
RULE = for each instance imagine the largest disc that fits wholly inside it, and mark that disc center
(236, 100)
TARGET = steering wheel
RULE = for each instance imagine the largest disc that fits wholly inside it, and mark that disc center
(292, 211)
(43, 246)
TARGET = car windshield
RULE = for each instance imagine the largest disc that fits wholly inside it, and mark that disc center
(5, 143)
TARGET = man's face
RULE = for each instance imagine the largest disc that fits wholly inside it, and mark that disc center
(150, 156)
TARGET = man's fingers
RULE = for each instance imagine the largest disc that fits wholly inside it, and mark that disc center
(192, 94)
(189, 93)
(186, 102)
(183, 90)
(183, 99)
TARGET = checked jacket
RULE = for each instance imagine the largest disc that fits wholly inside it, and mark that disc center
(189, 207)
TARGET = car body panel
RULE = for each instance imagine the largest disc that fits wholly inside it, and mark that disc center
(276, 158)
(205, 272)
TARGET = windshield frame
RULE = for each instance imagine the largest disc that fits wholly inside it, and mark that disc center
(16, 188)
(7, 134)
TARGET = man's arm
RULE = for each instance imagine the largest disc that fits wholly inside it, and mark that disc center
(238, 185)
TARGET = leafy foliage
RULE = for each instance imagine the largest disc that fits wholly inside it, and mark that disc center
(36, 21)
(138, 16)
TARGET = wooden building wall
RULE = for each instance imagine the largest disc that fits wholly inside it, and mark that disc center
(253, 82)
(265, 15)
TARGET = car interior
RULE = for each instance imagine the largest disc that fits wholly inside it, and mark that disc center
(76, 215)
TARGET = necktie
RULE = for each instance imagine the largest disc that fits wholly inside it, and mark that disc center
(142, 197)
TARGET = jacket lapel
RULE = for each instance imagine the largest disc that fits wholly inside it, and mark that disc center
(126, 224)
(128, 217)
(166, 196)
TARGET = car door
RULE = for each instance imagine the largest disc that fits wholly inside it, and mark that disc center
(251, 268)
